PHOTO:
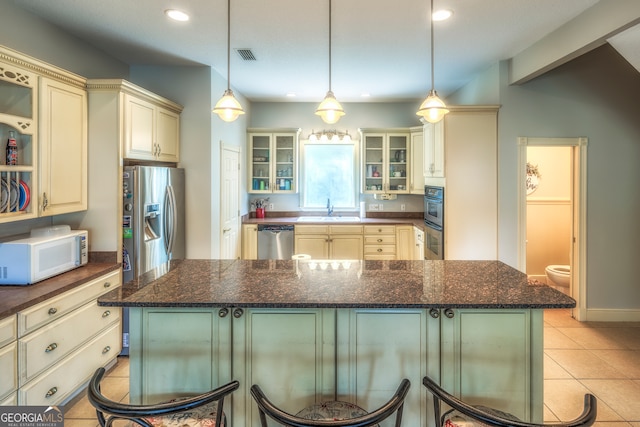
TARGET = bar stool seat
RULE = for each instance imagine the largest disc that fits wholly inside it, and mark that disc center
(203, 410)
(333, 413)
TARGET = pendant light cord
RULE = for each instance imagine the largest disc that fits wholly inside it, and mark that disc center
(431, 28)
(329, 45)
(228, 44)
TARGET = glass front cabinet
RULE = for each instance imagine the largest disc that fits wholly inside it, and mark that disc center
(385, 160)
(18, 118)
(273, 160)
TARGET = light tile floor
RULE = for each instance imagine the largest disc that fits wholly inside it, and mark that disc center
(598, 358)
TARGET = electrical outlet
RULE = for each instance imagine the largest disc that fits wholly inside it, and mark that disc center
(271, 206)
(373, 207)
(380, 207)
(403, 207)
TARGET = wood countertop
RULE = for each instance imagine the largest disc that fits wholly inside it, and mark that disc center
(16, 298)
(336, 284)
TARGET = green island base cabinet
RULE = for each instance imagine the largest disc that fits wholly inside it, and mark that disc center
(493, 357)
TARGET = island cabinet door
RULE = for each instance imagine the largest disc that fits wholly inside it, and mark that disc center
(494, 358)
(376, 349)
(178, 352)
(290, 353)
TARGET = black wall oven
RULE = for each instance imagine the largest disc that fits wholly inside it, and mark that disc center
(434, 222)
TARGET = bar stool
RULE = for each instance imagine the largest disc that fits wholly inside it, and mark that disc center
(485, 416)
(202, 410)
(333, 413)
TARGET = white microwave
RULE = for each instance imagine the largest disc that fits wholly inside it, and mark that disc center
(44, 253)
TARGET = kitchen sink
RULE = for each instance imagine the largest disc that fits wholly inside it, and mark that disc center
(328, 219)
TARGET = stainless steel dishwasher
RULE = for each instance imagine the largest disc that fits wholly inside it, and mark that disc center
(275, 241)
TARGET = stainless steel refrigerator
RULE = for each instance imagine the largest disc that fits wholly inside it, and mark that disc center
(153, 222)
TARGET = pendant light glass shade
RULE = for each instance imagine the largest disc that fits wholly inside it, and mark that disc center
(432, 108)
(228, 108)
(330, 109)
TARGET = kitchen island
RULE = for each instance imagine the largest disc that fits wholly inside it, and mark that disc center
(313, 330)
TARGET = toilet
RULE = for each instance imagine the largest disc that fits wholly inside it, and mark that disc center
(559, 276)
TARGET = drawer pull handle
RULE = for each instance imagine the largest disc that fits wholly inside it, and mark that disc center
(237, 313)
(434, 312)
(51, 347)
(107, 349)
(223, 312)
(379, 249)
(107, 313)
(52, 311)
(379, 240)
(449, 313)
(51, 392)
(379, 230)
(107, 284)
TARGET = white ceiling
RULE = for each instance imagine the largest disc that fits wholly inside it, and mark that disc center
(379, 47)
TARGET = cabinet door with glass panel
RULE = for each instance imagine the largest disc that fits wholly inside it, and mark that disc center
(273, 166)
(385, 161)
(18, 181)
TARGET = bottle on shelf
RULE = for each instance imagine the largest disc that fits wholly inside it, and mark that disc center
(12, 149)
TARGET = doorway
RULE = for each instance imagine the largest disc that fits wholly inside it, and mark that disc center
(230, 202)
(569, 208)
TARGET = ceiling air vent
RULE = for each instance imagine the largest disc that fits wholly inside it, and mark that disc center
(246, 54)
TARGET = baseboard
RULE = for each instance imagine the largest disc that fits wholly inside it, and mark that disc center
(612, 315)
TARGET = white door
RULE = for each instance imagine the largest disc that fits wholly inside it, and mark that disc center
(230, 202)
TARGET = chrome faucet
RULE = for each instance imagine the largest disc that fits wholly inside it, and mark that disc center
(329, 207)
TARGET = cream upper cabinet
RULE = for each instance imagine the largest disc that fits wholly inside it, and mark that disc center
(152, 128)
(63, 148)
(386, 161)
(18, 113)
(434, 154)
(273, 160)
(417, 161)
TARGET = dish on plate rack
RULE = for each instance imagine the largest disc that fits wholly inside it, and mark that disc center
(15, 196)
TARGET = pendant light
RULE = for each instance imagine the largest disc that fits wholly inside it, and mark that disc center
(228, 108)
(330, 109)
(432, 108)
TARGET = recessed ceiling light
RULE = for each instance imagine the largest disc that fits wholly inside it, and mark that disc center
(441, 15)
(365, 95)
(291, 94)
(176, 15)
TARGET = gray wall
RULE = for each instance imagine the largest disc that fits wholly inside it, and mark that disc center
(594, 96)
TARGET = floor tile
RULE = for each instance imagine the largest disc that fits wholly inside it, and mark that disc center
(552, 370)
(561, 318)
(584, 364)
(565, 398)
(594, 338)
(556, 339)
(622, 396)
(626, 361)
(629, 337)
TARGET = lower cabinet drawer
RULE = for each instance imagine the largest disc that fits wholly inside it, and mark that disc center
(8, 370)
(55, 385)
(382, 239)
(380, 250)
(8, 331)
(41, 349)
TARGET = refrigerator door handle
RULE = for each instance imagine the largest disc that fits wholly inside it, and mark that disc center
(170, 219)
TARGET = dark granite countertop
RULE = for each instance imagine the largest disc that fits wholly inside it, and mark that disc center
(293, 220)
(16, 298)
(336, 284)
